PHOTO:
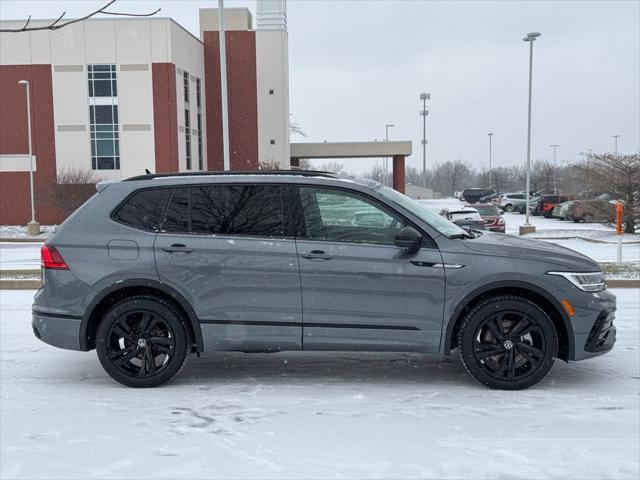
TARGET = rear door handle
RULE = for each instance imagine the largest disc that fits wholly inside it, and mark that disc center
(177, 248)
(317, 255)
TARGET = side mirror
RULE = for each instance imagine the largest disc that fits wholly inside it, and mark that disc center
(409, 238)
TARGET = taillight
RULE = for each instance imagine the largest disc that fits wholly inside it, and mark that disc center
(51, 258)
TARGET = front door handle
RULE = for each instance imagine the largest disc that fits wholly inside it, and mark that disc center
(317, 255)
(177, 248)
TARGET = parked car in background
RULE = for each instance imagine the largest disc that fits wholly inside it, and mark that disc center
(508, 201)
(544, 205)
(561, 209)
(473, 195)
(491, 215)
(591, 211)
(467, 218)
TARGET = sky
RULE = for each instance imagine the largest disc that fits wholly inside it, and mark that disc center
(358, 65)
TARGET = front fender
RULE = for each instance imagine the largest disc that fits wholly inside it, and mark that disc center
(465, 296)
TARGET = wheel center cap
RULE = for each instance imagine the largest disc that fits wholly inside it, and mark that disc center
(508, 344)
(142, 343)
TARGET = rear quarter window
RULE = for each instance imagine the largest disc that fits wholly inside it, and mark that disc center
(143, 209)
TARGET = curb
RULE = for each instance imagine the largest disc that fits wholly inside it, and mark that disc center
(586, 239)
(20, 284)
(33, 272)
(23, 240)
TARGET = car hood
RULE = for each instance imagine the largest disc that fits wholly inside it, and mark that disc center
(511, 246)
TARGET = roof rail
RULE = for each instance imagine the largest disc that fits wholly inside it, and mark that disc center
(302, 173)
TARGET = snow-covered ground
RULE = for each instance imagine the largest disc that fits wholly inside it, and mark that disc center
(305, 415)
(20, 231)
(19, 255)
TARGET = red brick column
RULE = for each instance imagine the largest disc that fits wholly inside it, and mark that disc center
(398, 173)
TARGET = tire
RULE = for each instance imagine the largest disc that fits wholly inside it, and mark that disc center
(496, 358)
(508, 207)
(587, 218)
(138, 358)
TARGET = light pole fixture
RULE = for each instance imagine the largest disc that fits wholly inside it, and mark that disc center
(33, 227)
(615, 147)
(555, 146)
(223, 88)
(527, 227)
(386, 159)
(423, 113)
(490, 135)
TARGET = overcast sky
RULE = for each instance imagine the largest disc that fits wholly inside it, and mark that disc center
(358, 65)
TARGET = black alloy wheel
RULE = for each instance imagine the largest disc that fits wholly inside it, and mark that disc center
(142, 341)
(508, 343)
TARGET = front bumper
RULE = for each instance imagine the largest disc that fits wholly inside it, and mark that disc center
(594, 331)
(62, 331)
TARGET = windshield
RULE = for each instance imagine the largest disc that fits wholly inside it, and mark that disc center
(441, 224)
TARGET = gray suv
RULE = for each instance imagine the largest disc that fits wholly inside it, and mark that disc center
(156, 267)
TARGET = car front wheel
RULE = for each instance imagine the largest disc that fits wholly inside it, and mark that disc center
(508, 207)
(507, 343)
(142, 341)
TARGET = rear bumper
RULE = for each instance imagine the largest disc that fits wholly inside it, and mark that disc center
(62, 331)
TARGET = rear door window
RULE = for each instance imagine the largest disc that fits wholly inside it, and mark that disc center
(143, 210)
(239, 210)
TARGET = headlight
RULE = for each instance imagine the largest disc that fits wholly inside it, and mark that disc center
(587, 281)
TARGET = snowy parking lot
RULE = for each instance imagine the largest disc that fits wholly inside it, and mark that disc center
(329, 415)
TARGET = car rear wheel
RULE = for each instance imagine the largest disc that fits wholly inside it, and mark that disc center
(507, 343)
(142, 341)
(587, 218)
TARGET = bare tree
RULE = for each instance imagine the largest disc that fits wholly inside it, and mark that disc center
(269, 165)
(71, 188)
(376, 173)
(618, 174)
(452, 176)
(58, 23)
(332, 166)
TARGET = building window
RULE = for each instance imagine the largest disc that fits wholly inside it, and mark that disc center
(102, 81)
(199, 104)
(187, 137)
(103, 117)
(185, 83)
(271, 92)
(272, 142)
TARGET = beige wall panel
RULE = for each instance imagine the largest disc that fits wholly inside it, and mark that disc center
(136, 153)
(160, 43)
(100, 42)
(133, 39)
(135, 97)
(68, 45)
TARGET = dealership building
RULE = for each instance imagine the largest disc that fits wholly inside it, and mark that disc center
(119, 96)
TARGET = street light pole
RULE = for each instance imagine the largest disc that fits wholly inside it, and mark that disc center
(423, 113)
(33, 228)
(527, 227)
(490, 135)
(386, 159)
(615, 138)
(223, 87)
(555, 146)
